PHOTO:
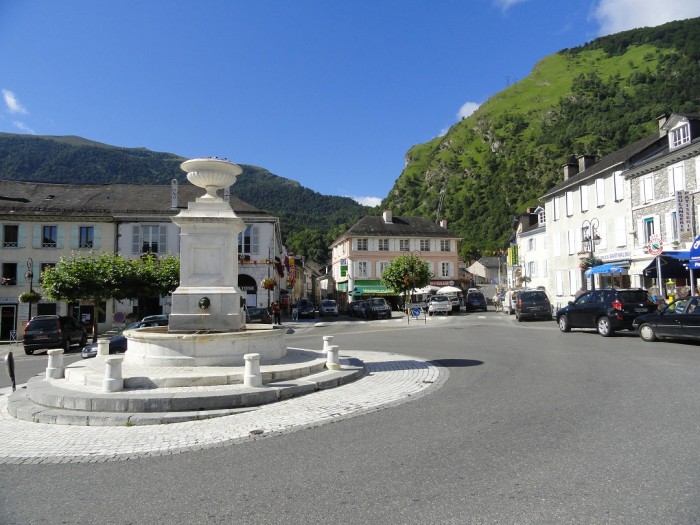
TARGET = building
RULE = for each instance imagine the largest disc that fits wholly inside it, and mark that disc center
(361, 254)
(40, 223)
(529, 266)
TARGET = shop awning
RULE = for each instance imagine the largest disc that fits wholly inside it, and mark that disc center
(372, 290)
(673, 265)
(606, 269)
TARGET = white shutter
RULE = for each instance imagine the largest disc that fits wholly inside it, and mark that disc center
(556, 244)
(20, 236)
(97, 237)
(600, 192)
(668, 232)
(36, 236)
(74, 237)
(603, 234)
(573, 281)
(569, 203)
(584, 197)
(136, 239)
(578, 241)
(620, 234)
(59, 236)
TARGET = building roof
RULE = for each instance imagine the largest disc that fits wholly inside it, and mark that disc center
(102, 200)
(375, 226)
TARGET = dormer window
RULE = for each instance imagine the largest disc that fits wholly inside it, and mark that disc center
(541, 219)
(679, 136)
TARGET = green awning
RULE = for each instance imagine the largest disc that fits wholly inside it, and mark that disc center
(372, 290)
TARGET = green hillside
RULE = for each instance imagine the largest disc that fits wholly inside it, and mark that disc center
(592, 99)
(309, 220)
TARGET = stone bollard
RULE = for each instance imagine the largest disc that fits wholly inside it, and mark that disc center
(327, 340)
(252, 375)
(113, 380)
(54, 369)
(103, 346)
(332, 361)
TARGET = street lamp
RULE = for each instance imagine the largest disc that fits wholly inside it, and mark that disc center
(29, 277)
(590, 237)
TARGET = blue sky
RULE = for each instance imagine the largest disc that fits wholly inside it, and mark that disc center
(329, 93)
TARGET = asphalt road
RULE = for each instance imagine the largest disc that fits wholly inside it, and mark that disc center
(532, 427)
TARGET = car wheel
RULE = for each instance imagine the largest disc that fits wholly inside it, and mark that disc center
(603, 327)
(646, 332)
(28, 352)
(519, 317)
(563, 322)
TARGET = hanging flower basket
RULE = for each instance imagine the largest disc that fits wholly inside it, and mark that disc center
(589, 262)
(29, 297)
(268, 284)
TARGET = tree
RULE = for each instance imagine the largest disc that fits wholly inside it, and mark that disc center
(98, 277)
(406, 272)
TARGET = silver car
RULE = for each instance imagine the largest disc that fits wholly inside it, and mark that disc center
(328, 308)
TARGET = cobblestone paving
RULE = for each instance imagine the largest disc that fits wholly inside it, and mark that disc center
(391, 379)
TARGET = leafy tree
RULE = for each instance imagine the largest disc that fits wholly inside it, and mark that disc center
(98, 277)
(406, 272)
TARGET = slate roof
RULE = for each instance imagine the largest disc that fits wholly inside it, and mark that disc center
(102, 200)
(373, 226)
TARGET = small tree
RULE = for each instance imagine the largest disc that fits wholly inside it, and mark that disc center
(98, 277)
(405, 273)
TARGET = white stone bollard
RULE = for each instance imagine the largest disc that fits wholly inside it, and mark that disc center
(252, 375)
(55, 370)
(113, 380)
(332, 361)
(103, 346)
(327, 340)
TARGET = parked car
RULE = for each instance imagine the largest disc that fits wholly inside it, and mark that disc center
(510, 301)
(117, 344)
(160, 320)
(377, 308)
(439, 304)
(44, 332)
(455, 302)
(475, 301)
(678, 320)
(533, 304)
(306, 309)
(328, 307)
(606, 310)
(357, 308)
(257, 315)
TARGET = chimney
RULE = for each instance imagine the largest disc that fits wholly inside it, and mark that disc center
(174, 193)
(443, 223)
(585, 162)
(388, 216)
(570, 169)
(662, 119)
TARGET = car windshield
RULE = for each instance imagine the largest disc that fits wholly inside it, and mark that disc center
(533, 296)
(376, 302)
(635, 296)
(328, 303)
(42, 324)
(439, 299)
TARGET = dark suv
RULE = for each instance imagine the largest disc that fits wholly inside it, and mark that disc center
(533, 304)
(377, 308)
(606, 310)
(52, 331)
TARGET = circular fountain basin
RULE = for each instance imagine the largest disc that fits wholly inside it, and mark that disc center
(155, 346)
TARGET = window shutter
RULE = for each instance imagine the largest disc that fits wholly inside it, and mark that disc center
(584, 197)
(136, 239)
(557, 244)
(20, 236)
(36, 237)
(162, 239)
(60, 234)
(559, 283)
(74, 236)
(603, 233)
(671, 186)
(620, 234)
(97, 237)
(255, 240)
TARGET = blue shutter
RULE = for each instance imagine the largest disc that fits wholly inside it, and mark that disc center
(97, 237)
(74, 237)
(20, 236)
(36, 237)
(59, 236)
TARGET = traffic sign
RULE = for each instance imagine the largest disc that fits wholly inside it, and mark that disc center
(656, 246)
(416, 312)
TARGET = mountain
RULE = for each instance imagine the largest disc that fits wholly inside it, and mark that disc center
(309, 220)
(592, 99)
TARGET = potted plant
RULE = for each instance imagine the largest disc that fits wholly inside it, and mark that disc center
(268, 284)
(29, 297)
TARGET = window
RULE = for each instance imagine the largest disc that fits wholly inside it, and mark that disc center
(445, 269)
(531, 245)
(647, 229)
(9, 274)
(362, 269)
(425, 245)
(646, 189)
(248, 241)
(557, 209)
(444, 246)
(618, 186)
(403, 245)
(672, 225)
(680, 135)
(383, 245)
(149, 239)
(362, 245)
(532, 269)
(49, 236)
(676, 179)
(541, 218)
(87, 237)
(600, 192)
(10, 236)
(569, 203)
(383, 265)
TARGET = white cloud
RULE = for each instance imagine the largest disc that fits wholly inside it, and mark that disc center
(504, 5)
(23, 127)
(467, 109)
(12, 103)
(368, 201)
(620, 15)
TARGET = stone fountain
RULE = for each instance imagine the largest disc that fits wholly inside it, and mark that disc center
(207, 327)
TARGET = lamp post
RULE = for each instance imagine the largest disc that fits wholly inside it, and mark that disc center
(29, 277)
(590, 237)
